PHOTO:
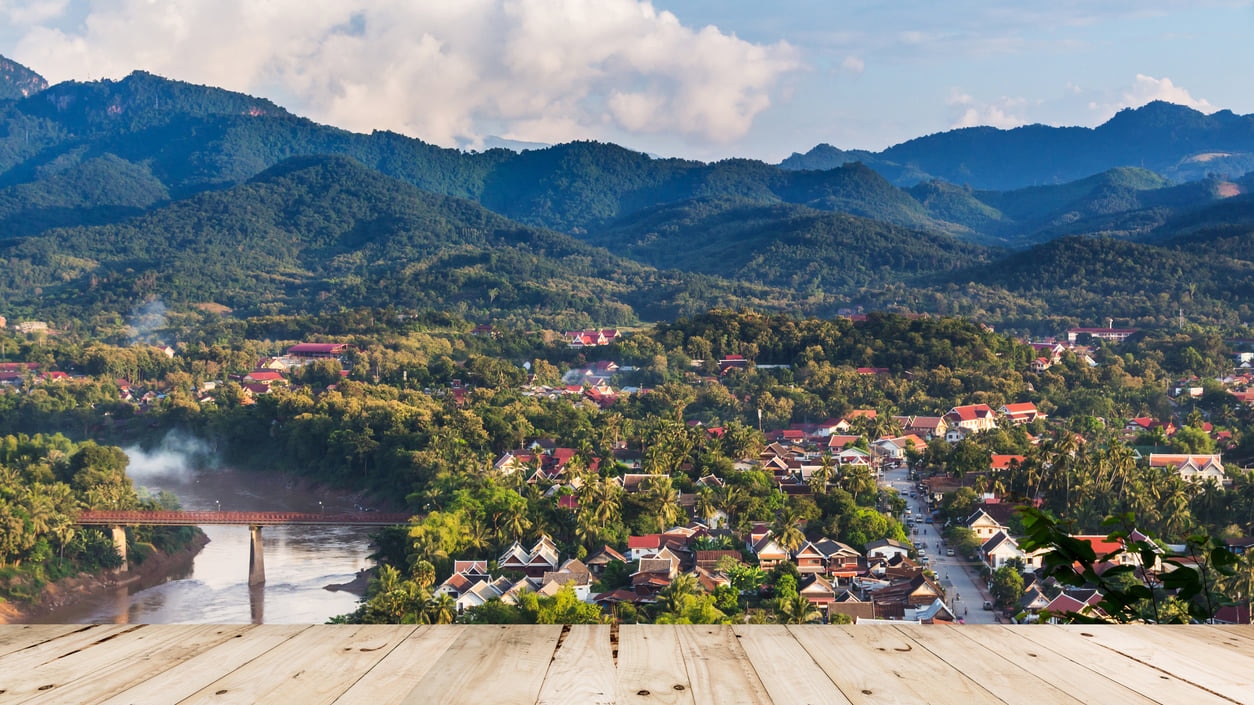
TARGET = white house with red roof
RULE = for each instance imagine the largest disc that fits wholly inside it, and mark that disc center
(1195, 468)
(640, 547)
(1021, 412)
(972, 418)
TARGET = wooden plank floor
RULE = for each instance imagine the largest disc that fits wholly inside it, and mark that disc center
(600, 665)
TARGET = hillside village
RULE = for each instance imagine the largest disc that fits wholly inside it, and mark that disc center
(952, 467)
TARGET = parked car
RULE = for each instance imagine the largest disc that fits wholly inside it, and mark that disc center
(949, 552)
(988, 605)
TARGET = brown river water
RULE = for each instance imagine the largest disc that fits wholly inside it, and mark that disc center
(300, 561)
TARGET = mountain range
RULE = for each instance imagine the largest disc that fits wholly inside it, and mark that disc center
(112, 192)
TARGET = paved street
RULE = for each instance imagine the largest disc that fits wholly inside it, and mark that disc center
(959, 577)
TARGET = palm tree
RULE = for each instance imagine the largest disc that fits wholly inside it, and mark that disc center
(796, 610)
(787, 533)
(664, 499)
(441, 609)
(671, 598)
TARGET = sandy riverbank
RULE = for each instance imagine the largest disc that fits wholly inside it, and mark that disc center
(154, 570)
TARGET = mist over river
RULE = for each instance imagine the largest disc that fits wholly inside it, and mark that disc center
(300, 561)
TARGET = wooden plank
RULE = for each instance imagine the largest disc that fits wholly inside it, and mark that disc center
(718, 668)
(1216, 669)
(501, 665)
(15, 637)
(787, 671)
(1149, 683)
(1010, 674)
(210, 665)
(403, 668)
(878, 664)
(651, 666)
(1007, 642)
(95, 674)
(314, 666)
(582, 672)
(1234, 636)
(20, 663)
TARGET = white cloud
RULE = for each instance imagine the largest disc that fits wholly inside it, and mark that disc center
(544, 70)
(32, 12)
(853, 64)
(1005, 112)
(1147, 89)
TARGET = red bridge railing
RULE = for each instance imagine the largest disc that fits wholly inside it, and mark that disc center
(164, 518)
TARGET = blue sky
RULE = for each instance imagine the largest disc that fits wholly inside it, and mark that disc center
(704, 79)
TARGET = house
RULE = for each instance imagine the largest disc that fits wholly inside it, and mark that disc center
(894, 600)
(894, 449)
(318, 351)
(590, 338)
(266, 377)
(926, 427)
(1040, 364)
(1021, 412)
(809, 559)
(817, 590)
(1114, 335)
(1001, 548)
(935, 613)
(842, 560)
(985, 525)
(886, 548)
(1001, 463)
(849, 604)
(1195, 468)
(972, 418)
(599, 560)
(641, 547)
(573, 573)
(769, 552)
(542, 558)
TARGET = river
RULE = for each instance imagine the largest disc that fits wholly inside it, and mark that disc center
(300, 560)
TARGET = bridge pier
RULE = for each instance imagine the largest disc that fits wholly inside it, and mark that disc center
(119, 544)
(256, 558)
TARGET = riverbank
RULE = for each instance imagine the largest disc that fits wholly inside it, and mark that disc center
(155, 569)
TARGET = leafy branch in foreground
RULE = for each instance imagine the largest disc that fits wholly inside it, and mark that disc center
(1142, 589)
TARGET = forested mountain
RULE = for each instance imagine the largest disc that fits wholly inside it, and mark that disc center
(319, 232)
(794, 247)
(113, 192)
(17, 81)
(1177, 142)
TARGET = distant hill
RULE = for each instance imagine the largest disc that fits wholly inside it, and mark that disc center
(783, 245)
(112, 192)
(17, 81)
(1174, 141)
(318, 232)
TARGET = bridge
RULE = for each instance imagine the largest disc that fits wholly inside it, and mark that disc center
(117, 520)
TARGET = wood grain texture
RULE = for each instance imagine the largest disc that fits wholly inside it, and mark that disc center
(1012, 674)
(92, 675)
(176, 684)
(654, 664)
(313, 666)
(403, 668)
(1112, 668)
(718, 668)
(879, 664)
(651, 666)
(583, 671)
(786, 669)
(501, 665)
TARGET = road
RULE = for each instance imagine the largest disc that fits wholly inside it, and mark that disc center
(960, 578)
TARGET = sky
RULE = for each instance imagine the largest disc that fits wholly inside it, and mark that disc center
(700, 79)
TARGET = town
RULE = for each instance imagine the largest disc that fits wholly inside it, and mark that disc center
(637, 477)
